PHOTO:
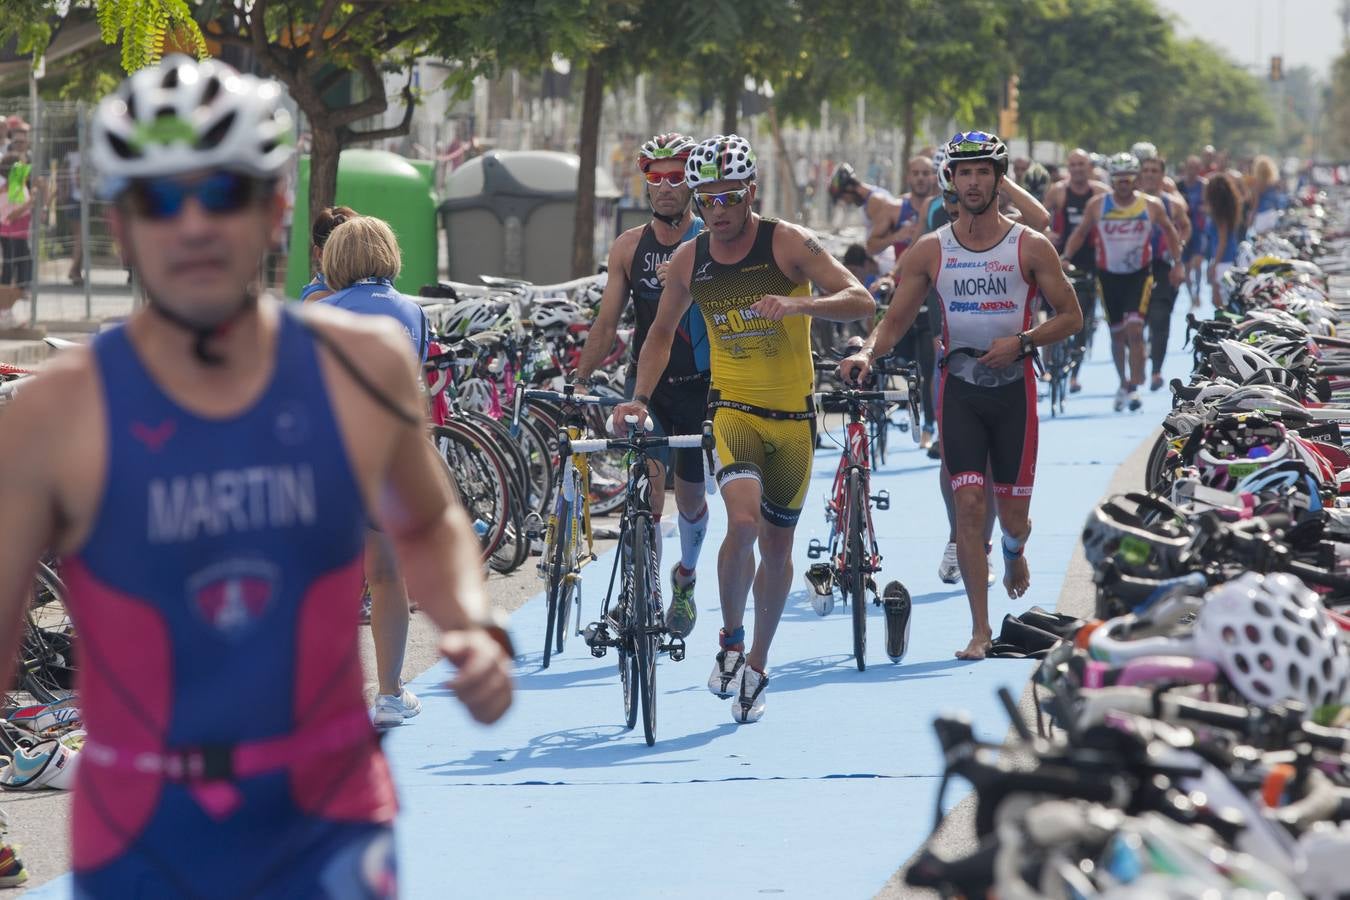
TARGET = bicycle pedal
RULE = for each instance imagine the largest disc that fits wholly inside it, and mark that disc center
(815, 549)
(675, 647)
(882, 499)
(596, 636)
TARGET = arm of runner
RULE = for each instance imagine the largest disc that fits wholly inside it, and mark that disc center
(1053, 198)
(29, 501)
(1042, 266)
(655, 356)
(1181, 218)
(1158, 213)
(419, 510)
(800, 256)
(883, 218)
(911, 287)
(1034, 215)
(1080, 234)
(600, 339)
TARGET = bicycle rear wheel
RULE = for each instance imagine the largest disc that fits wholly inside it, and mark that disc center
(46, 655)
(855, 585)
(628, 660)
(569, 584)
(644, 625)
(479, 477)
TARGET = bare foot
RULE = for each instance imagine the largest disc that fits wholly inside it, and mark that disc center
(977, 648)
(1016, 576)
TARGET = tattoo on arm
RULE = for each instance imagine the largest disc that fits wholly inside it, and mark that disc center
(814, 246)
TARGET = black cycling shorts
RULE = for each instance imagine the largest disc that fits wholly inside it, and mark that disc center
(678, 409)
(1125, 296)
(992, 429)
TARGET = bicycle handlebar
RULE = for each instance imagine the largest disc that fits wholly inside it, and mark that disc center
(863, 396)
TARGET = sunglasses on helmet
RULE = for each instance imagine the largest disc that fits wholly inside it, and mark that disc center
(970, 140)
(674, 179)
(218, 193)
(725, 198)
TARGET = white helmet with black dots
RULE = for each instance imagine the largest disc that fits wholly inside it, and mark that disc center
(726, 157)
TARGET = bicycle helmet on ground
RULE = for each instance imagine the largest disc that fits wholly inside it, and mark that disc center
(186, 115)
(1238, 361)
(725, 157)
(1141, 534)
(671, 145)
(1274, 641)
(1123, 163)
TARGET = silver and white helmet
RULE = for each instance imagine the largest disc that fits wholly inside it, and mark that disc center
(185, 115)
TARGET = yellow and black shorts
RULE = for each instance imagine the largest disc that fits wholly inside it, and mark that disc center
(771, 446)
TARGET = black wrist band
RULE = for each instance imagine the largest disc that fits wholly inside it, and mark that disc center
(642, 398)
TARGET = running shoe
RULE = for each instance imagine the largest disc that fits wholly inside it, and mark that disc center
(949, 570)
(925, 439)
(748, 704)
(1074, 386)
(897, 605)
(390, 710)
(935, 449)
(728, 666)
(1135, 400)
(1122, 394)
(12, 872)
(683, 614)
(1156, 383)
(989, 564)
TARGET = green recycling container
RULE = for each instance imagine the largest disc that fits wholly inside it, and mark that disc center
(374, 183)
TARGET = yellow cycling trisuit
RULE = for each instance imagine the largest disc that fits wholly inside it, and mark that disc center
(762, 376)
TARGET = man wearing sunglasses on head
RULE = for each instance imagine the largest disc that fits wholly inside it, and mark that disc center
(679, 402)
(987, 271)
(207, 472)
(751, 278)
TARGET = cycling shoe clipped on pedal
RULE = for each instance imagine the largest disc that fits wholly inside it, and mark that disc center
(895, 600)
(820, 580)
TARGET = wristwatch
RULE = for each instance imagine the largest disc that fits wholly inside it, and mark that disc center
(1028, 345)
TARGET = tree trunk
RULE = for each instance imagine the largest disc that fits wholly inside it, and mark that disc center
(908, 150)
(731, 104)
(789, 208)
(583, 227)
(323, 167)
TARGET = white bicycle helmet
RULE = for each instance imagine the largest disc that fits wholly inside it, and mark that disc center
(472, 317)
(1274, 641)
(185, 115)
(1238, 361)
(672, 146)
(726, 157)
(1222, 464)
(554, 314)
(1143, 150)
(1123, 163)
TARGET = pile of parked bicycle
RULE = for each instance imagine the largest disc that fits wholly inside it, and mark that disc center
(1194, 736)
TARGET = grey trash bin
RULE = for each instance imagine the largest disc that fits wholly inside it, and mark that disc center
(511, 212)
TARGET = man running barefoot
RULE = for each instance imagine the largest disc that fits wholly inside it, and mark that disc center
(987, 271)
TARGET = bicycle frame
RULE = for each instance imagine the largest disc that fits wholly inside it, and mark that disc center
(855, 456)
(576, 480)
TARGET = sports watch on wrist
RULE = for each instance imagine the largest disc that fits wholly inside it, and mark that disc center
(1028, 345)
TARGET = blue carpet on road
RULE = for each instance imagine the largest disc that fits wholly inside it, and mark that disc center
(559, 800)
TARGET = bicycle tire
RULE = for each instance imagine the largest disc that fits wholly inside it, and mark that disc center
(478, 479)
(556, 571)
(569, 588)
(643, 622)
(534, 445)
(47, 659)
(856, 585)
(628, 661)
(511, 548)
(1155, 479)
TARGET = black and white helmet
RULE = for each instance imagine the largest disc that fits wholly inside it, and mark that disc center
(967, 146)
(726, 157)
(185, 115)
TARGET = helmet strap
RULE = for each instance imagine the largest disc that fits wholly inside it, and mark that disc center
(202, 334)
(672, 221)
(992, 198)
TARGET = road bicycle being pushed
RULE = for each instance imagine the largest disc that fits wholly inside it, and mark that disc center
(633, 623)
(569, 544)
(851, 549)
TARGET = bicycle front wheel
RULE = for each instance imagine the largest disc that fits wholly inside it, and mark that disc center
(855, 583)
(559, 566)
(47, 654)
(645, 628)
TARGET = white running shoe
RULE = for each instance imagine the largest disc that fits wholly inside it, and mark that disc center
(728, 666)
(1134, 401)
(748, 704)
(949, 570)
(989, 567)
(391, 711)
(1122, 394)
